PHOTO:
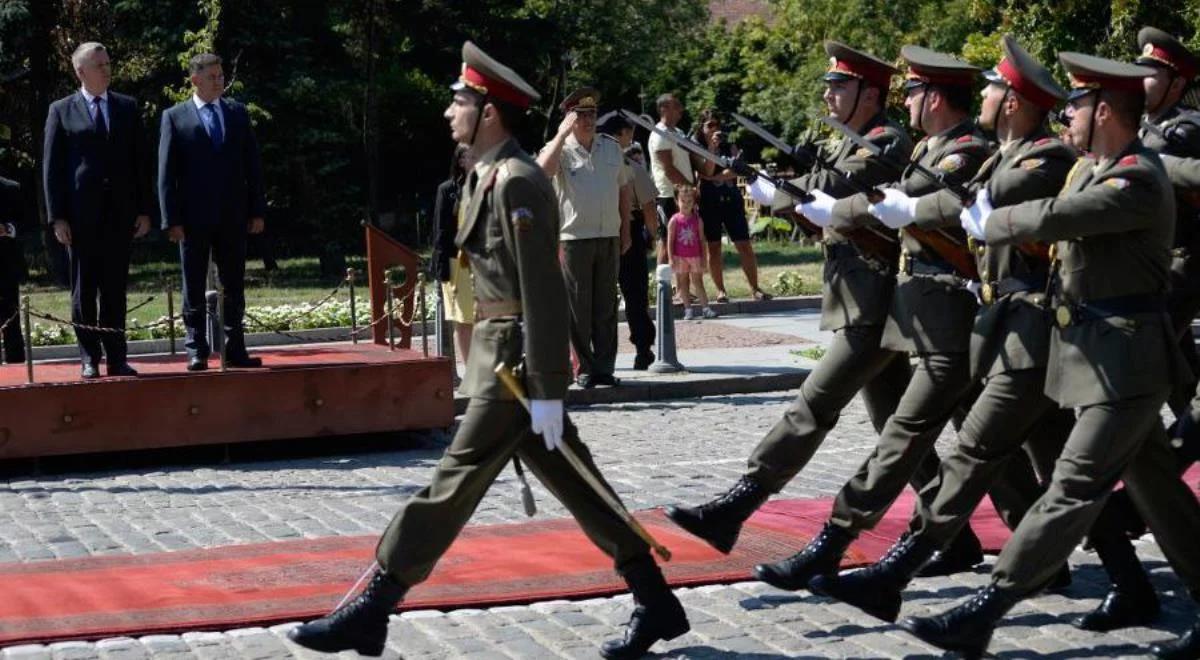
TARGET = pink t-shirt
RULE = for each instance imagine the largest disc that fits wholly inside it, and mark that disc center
(687, 235)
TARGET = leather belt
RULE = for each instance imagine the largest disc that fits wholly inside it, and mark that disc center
(1066, 314)
(838, 251)
(910, 265)
(990, 292)
(489, 309)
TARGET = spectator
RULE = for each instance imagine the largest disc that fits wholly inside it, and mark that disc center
(669, 163)
(589, 176)
(721, 206)
(686, 250)
(456, 291)
(12, 268)
(634, 276)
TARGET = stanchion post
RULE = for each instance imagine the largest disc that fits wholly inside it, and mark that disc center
(391, 309)
(667, 362)
(353, 306)
(221, 322)
(424, 323)
(26, 316)
(171, 316)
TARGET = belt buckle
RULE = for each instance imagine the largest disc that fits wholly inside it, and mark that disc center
(976, 247)
(987, 293)
(1063, 316)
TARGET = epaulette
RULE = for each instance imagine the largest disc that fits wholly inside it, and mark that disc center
(1131, 159)
(966, 138)
(1045, 140)
(876, 131)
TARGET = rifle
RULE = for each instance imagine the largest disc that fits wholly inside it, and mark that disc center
(946, 246)
(872, 240)
(742, 169)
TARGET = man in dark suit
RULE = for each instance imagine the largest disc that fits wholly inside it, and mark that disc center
(97, 202)
(211, 195)
(12, 268)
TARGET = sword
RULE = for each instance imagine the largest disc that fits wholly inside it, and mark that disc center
(774, 141)
(506, 376)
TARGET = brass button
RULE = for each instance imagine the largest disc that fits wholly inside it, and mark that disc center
(1062, 316)
(1053, 251)
(987, 293)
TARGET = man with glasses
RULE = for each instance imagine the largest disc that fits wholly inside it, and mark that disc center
(1113, 354)
(590, 178)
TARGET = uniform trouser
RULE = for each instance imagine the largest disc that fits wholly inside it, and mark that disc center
(590, 267)
(490, 433)
(635, 283)
(938, 387)
(854, 361)
(99, 275)
(1011, 412)
(10, 333)
(226, 243)
(1119, 440)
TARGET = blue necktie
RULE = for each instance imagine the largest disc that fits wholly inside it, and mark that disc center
(101, 124)
(214, 125)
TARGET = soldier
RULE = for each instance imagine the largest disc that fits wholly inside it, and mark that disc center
(1113, 354)
(1010, 342)
(856, 292)
(509, 235)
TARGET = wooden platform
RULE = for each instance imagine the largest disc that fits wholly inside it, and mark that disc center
(300, 392)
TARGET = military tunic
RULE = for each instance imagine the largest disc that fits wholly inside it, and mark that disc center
(1009, 346)
(510, 235)
(856, 294)
(1114, 356)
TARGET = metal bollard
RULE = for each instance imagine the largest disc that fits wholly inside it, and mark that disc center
(26, 315)
(353, 308)
(666, 361)
(439, 321)
(424, 322)
(221, 324)
(171, 317)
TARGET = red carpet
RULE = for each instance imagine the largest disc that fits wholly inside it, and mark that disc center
(261, 584)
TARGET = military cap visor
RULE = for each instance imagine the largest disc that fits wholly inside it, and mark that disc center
(1089, 73)
(584, 98)
(485, 76)
(1160, 49)
(930, 67)
(1018, 71)
(846, 63)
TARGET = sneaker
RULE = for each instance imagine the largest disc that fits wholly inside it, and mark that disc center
(709, 313)
(689, 314)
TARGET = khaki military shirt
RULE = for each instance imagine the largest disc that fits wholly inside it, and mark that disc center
(509, 232)
(1112, 227)
(588, 187)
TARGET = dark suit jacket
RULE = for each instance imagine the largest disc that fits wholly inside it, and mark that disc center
(200, 185)
(12, 261)
(445, 226)
(79, 165)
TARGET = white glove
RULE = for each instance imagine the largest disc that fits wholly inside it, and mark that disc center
(895, 210)
(546, 418)
(819, 210)
(974, 218)
(762, 191)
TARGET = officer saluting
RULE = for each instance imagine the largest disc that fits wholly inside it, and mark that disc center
(1113, 354)
(509, 238)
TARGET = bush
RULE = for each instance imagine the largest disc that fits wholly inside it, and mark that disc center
(789, 283)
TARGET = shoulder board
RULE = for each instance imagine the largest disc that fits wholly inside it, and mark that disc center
(1045, 140)
(878, 130)
(1131, 159)
(966, 138)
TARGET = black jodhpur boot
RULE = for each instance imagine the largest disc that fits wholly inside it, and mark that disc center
(821, 556)
(359, 625)
(719, 522)
(657, 613)
(965, 629)
(877, 588)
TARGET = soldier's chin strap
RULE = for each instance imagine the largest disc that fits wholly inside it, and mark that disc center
(1091, 133)
(1162, 101)
(1000, 111)
(921, 109)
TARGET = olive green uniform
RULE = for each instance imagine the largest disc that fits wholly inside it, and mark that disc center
(856, 295)
(1113, 356)
(932, 315)
(1009, 345)
(510, 233)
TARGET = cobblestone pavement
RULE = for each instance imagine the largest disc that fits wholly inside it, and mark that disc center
(654, 454)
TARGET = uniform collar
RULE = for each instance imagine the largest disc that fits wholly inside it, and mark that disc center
(488, 157)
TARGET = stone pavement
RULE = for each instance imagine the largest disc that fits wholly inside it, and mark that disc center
(654, 453)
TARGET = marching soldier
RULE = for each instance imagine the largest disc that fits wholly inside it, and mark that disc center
(509, 236)
(1010, 342)
(1113, 355)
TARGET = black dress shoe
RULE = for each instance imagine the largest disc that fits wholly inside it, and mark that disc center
(89, 371)
(242, 361)
(643, 360)
(605, 379)
(197, 364)
(1184, 648)
(586, 381)
(122, 369)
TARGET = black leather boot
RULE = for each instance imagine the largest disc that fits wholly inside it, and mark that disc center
(657, 613)
(359, 625)
(720, 521)
(876, 588)
(1186, 647)
(964, 553)
(821, 556)
(1132, 600)
(967, 628)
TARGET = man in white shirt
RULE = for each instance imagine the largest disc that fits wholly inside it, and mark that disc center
(670, 165)
(590, 178)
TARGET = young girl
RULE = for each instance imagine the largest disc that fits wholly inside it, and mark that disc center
(685, 248)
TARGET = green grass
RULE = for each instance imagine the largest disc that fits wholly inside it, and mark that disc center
(774, 258)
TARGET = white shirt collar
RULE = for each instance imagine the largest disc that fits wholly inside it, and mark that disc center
(87, 96)
(200, 104)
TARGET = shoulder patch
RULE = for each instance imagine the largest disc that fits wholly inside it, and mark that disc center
(863, 153)
(522, 218)
(876, 131)
(1131, 159)
(1032, 163)
(952, 162)
(1117, 182)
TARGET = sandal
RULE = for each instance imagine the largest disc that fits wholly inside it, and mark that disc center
(759, 294)
(722, 297)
